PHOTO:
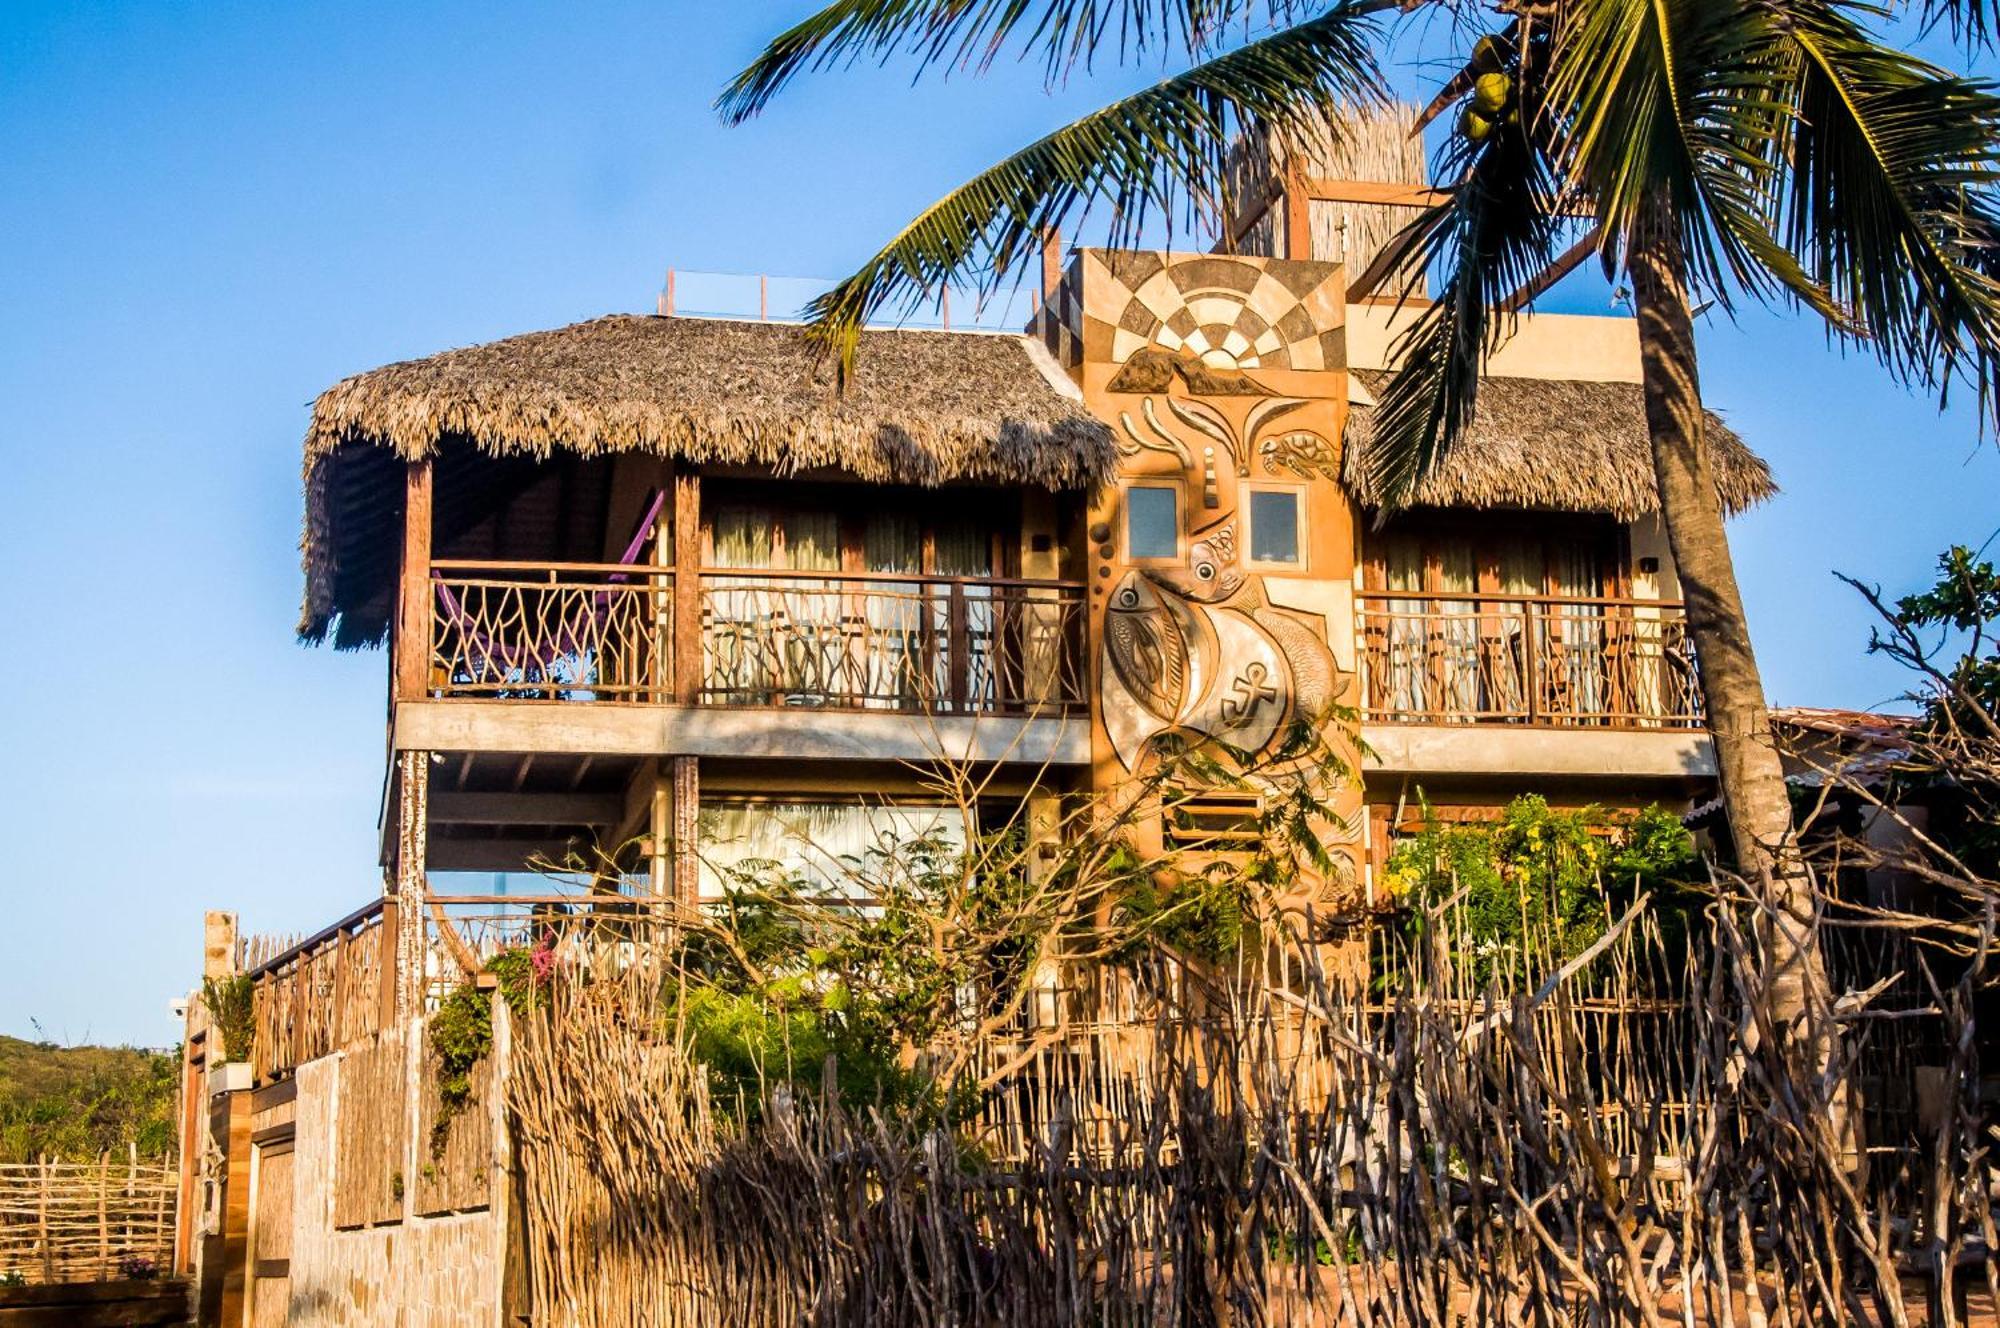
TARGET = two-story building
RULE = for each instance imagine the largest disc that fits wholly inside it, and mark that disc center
(657, 596)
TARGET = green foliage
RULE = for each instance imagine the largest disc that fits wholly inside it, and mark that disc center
(1950, 634)
(1540, 879)
(231, 1004)
(461, 1029)
(1965, 600)
(1203, 915)
(79, 1102)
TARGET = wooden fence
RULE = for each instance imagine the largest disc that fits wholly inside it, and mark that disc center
(86, 1221)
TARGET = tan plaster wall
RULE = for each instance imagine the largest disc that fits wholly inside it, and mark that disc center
(1591, 348)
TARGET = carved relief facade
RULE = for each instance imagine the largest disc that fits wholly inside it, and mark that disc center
(1221, 561)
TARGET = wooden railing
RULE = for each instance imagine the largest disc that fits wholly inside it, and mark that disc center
(852, 641)
(569, 632)
(1535, 660)
(328, 991)
(881, 641)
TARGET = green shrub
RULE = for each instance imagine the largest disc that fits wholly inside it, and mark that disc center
(1541, 880)
(231, 1005)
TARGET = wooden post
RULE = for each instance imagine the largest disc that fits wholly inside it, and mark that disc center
(132, 1192)
(385, 964)
(1051, 268)
(1298, 215)
(413, 617)
(958, 638)
(42, 1225)
(104, 1213)
(1531, 652)
(412, 832)
(686, 809)
(687, 588)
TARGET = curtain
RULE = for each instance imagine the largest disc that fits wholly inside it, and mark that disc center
(965, 548)
(840, 849)
(1576, 631)
(1402, 688)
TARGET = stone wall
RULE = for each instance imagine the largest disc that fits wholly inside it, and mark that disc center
(410, 1270)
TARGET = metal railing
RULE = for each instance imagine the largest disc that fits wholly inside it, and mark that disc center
(1532, 660)
(841, 641)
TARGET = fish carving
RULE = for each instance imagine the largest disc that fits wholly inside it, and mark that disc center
(1147, 646)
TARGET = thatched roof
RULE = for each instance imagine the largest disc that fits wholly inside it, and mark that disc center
(921, 408)
(1555, 445)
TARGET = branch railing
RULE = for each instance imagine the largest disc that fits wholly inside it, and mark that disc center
(330, 990)
(1532, 660)
(842, 641)
(885, 641)
(550, 632)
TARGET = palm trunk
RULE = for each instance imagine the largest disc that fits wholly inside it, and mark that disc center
(1746, 756)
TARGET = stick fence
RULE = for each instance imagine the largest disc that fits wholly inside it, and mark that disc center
(85, 1221)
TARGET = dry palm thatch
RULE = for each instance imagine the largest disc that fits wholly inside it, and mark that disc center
(1555, 445)
(920, 408)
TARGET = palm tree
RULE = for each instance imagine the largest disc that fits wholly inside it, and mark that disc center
(1768, 150)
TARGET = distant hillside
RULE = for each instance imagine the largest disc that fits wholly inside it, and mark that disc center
(76, 1102)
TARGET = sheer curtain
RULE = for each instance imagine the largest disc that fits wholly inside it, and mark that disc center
(840, 849)
(1577, 632)
(773, 639)
(965, 549)
(891, 649)
(1402, 687)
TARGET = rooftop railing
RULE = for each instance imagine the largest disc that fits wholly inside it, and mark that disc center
(843, 641)
(1527, 660)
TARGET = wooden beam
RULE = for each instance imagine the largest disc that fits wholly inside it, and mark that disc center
(776, 733)
(495, 855)
(525, 808)
(413, 617)
(687, 587)
(1252, 213)
(1298, 218)
(1554, 272)
(1381, 193)
(686, 810)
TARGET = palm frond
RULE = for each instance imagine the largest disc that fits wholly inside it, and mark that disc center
(973, 33)
(1890, 199)
(1501, 227)
(1666, 116)
(1162, 149)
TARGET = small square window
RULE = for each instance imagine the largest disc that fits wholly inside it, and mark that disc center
(1152, 521)
(1274, 526)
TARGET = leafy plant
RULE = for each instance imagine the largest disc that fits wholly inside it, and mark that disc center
(461, 1030)
(1538, 879)
(231, 1004)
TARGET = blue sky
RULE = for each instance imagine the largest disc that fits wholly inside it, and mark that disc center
(212, 211)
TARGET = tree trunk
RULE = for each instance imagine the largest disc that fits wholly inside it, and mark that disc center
(1746, 755)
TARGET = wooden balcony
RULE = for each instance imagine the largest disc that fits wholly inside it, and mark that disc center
(1537, 661)
(757, 638)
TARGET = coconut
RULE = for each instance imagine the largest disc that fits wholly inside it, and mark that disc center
(1490, 92)
(1474, 125)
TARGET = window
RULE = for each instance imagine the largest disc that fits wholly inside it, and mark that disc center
(834, 847)
(1274, 527)
(1152, 521)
